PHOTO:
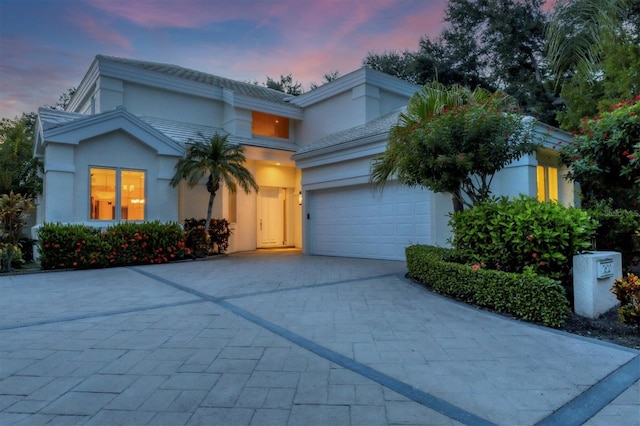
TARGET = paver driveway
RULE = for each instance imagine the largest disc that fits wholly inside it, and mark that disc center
(282, 338)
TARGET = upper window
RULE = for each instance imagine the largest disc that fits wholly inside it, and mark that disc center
(117, 194)
(269, 125)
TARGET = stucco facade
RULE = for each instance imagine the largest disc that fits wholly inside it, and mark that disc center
(135, 118)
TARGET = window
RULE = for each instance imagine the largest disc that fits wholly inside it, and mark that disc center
(107, 203)
(269, 125)
(547, 180)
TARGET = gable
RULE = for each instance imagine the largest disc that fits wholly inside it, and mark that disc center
(70, 128)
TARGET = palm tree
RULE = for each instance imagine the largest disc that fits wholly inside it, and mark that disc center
(221, 160)
(579, 31)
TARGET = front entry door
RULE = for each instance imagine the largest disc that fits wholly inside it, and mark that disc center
(271, 203)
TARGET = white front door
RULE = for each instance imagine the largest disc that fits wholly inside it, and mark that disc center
(271, 218)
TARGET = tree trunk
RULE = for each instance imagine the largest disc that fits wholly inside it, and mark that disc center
(456, 197)
(212, 188)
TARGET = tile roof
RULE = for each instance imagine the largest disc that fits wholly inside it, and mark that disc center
(183, 133)
(378, 126)
(240, 87)
(178, 131)
(51, 118)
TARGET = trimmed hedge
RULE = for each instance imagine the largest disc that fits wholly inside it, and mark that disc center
(527, 296)
(85, 247)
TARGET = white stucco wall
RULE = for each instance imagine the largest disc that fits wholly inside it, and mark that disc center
(104, 151)
(145, 100)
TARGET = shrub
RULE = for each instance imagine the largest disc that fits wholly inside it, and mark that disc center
(618, 230)
(14, 209)
(204, 244)
(511, 235)
(627, 290)
(527, 296)
(81, 246)
(10, 257)
(72, 246)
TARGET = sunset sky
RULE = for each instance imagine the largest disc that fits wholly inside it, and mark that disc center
(46, 46)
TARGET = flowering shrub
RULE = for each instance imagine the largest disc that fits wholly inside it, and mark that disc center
(605, 157)
(510, 235)
(81, 247)
(204, 244)
(627, 290)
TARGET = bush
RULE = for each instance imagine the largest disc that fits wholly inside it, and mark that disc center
(527, 296)
(203, 244)
(14, 209)
(627, 290)
(618, 230)
(81, 246)
(11, 257)
(72, 246)
(511, 235)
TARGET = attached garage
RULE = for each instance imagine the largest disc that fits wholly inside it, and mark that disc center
(353, 221)
(344, 216)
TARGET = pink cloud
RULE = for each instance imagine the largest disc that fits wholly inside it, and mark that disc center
(101, 32)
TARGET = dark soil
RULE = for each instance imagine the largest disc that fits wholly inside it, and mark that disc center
(607, 327)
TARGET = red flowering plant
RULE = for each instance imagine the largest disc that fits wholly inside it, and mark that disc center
(605, 156)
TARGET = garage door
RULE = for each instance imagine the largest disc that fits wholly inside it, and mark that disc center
(354, 222)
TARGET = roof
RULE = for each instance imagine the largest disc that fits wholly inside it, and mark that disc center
(248, 89)
(184, 133)
(375, 127)
(51, 118)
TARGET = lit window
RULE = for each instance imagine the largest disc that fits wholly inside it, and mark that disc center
(109, 204)
(269, 125)
(547, 180)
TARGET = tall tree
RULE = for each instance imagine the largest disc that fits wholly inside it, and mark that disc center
(218, 159)
(285, 84)
(493, 44)
(594, 52)
(326, 78)
(502, 43)
(19, 171)
(453, 140)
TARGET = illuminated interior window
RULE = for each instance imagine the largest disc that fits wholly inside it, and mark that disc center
(269, 125)
(132, 195)
(109, 204)
(547, 180)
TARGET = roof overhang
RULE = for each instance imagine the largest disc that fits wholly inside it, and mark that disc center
(78, 129)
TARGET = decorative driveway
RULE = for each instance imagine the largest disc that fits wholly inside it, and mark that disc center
(280, 338)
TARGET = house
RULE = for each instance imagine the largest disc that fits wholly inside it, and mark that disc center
(111, 155)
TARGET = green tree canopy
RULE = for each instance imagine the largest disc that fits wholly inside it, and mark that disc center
(594, 53)
(493, 44)
(19, 171)
(218, 159)
(453, 140)
(285, 84)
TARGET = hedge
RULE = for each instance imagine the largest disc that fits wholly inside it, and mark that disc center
(83, 247)
(526, 296)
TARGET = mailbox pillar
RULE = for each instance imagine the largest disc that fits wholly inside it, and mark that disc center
(593, 276)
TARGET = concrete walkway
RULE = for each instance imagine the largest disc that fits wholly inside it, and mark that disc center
(285, 339)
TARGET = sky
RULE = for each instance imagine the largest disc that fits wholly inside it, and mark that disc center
(46, 46)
